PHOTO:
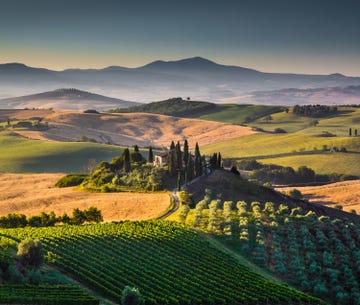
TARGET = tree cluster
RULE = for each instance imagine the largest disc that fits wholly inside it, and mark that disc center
(78, 217)
(314, 111)
(23, 267)
(183, 164)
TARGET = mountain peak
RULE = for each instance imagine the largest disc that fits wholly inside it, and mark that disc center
(194, 62)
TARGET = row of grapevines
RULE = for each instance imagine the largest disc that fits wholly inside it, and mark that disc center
(168, 262)
(45, 294)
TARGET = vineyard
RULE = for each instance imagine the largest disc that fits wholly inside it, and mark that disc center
(44, 294)
(318, 255)
(169, 263)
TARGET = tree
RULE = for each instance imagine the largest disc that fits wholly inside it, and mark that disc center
(219, 161)
(30, 253)
(179, 180)
(92, 214)
(78, 217)
(186, 153)
(136, 148)
(356, 133)
(171, 163)
(198, 163)
(150, 156)
(178, 156)
(350, 132)
(126, 157)
(268, 118)
(131, 296)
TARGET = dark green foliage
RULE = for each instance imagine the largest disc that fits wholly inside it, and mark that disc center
(49, 220)
(295, 193)
(126, 158)
(131, 296)
(150, 158)
(168, 262)
(279, 130)
(174, 106)
(186, 154)
(197, 162)
(317, 255)
(234, 171)
(70, 180)
(249, 164)
(315, 111)
(30, 253)
(45, 295)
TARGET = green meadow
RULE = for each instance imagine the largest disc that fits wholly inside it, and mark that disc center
(19, 154)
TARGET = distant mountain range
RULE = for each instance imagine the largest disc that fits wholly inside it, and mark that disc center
(196, 77)
(66, 99)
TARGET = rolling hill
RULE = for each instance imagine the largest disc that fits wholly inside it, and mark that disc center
(197, 77)
(65, 99)
(227, 113)
(124, 128)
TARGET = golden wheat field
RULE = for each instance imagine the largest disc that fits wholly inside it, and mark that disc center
(31, 194)
(346, 194)
(126, 128)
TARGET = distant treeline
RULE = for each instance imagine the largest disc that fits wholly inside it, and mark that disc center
(276, 174)
(314, 111)
(14, 220)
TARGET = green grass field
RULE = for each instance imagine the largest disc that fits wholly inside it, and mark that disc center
(274, 144)
(342, 163)
(168, 262)
(338, 124)
(19, 154)
(237, 114)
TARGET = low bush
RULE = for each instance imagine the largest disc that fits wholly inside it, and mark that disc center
(70, 180)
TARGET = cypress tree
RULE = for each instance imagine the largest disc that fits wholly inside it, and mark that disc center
(186, 153)
(190, 170)
(136, 148)
(198, 163)
(171, 163)
(178, 159)
(172, 145)
(350, 132)
(150, 156)
(126, 156)
(219, 160)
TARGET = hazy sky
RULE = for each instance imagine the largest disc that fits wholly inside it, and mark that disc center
(306, 36)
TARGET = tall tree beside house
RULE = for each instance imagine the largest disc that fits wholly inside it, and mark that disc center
(126, 164)
(190, 170)
(198, 162)
(172, 145)
(219, 160)
(186, 153)
(150, 158)
(178, 156)
(171, 160)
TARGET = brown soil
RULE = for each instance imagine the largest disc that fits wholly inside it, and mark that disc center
(31, 194)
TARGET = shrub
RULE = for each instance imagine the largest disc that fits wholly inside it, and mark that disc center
(30, 253)
(70, 180)
(295, 193)
(131, 296)
(280, 130)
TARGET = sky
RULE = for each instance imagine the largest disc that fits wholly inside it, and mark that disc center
(299, 36)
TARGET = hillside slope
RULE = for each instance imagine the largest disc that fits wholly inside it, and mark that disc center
(65, 99)
(167, 262)
(128, 128)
